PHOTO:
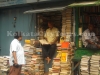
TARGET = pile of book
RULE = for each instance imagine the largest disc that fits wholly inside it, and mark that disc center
(56, 66)
(4, 65)
(29, 51)
(65, 62)
(62, 63)
(38, 64)
(84, 65)
(66, 22)
(34, 62)
(94, 65)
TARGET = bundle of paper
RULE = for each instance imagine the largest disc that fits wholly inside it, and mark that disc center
(62, 63)
(94, 65)
(39, 51)
(56, 66)
(56, 61)
(65, 68)
(84, 65)
(66, 22)
(58, 46)
(50, 71)
(34, 61)
(58, 54)
(29, 50)
(41, 72)
(37, 59)
(55, 73)
(4, 63)
(43, 41)
(37, 69)
(66, 62)
(64, 73)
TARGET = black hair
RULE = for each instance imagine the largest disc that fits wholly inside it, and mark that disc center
(17, 35)
(50, 21)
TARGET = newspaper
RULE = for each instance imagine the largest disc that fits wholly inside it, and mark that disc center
(43, 41)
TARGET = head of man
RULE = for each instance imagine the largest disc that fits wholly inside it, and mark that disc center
(50, 24)
(91, 27)
(18, 36)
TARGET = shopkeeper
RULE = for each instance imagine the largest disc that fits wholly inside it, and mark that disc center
(89, 38)
(51, 35)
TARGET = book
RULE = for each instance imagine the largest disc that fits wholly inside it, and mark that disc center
(43, 41)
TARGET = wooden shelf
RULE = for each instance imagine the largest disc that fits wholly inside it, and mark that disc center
(92, 13)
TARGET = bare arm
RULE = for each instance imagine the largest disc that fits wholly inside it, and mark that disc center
(15, 57)
(56, 40)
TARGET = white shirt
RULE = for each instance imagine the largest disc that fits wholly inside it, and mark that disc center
(87, 35)
(16, 46)
(51, 34)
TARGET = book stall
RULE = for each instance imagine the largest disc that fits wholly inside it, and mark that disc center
(85, 58)
(61, 64)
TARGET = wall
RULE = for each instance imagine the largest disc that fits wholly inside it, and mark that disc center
(0, 32)
(24, 23)
(5, 3)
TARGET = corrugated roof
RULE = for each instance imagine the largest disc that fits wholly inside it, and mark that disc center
(46, 10)
(91, 3)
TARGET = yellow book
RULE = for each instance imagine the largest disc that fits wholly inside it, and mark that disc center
(64, 56)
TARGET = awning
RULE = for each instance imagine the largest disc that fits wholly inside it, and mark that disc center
(46, 10)
(91, 3)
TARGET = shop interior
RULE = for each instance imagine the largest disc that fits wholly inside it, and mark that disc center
(89, 15)
(42, 22)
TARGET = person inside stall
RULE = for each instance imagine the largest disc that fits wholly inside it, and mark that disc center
(89, 38)
(49, 50)
(51, 36)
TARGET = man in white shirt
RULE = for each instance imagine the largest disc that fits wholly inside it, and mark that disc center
(89, 38)
(16, 59)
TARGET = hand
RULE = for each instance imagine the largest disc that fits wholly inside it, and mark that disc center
(15, 62)
(92, 43)
(51, 43)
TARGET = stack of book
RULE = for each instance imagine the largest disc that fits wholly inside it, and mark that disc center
(56, 66)
(34, 62)
(66, 21)
(94, 65)
(4, 63)
(29, 50)
(84, 65)
(61, 63)
(65, 68)
(38, 64)
(65, 62)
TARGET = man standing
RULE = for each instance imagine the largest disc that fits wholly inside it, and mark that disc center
(89, 38)
(16, 59)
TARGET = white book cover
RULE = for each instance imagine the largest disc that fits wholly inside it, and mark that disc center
(43, 41)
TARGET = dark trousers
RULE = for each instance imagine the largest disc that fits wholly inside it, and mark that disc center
(48, 51)
(92, 47)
